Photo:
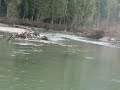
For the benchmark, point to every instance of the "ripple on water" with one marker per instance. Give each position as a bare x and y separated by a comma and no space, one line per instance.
20,52
13,55
26,53
115,80
27,44
89,58
67,45
37,50
4,76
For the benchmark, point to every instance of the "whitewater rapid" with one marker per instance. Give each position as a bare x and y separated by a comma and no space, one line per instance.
60,38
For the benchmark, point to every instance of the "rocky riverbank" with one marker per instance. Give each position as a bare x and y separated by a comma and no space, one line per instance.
22,32
112,37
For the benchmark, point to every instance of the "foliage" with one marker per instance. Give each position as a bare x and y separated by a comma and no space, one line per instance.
77,13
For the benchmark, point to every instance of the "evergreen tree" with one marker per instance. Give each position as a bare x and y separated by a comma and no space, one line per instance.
101,7
23,9
70,12
3,7
31,9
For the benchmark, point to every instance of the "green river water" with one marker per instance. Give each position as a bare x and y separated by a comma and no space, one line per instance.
61,64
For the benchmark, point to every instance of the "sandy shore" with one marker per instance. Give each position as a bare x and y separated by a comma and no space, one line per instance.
4,28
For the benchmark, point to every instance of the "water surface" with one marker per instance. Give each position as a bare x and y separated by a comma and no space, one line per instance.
64,63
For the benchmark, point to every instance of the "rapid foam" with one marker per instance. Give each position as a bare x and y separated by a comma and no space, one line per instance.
59,38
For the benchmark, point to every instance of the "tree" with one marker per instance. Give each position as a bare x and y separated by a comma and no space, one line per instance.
12,10
3,8
31,9
70,11
101,10
84,11
23,9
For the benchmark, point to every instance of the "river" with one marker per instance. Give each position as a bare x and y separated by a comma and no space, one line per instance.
64,63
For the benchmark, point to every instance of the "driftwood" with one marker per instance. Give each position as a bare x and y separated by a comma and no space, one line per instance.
10,37
28,35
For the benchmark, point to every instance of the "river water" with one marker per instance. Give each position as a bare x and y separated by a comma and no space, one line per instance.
63,63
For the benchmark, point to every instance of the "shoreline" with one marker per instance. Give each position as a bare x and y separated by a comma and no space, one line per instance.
5,28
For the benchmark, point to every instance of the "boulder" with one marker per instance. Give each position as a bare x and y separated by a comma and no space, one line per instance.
106,38
44,38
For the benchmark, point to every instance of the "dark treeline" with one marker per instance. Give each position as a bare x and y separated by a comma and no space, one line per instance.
74,13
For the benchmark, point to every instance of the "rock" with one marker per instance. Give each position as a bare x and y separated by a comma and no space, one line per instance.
113,39
106,38
44,38
23,35
99,34
95,34
35,34
29,35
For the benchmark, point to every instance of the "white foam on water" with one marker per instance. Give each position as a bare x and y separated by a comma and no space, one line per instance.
13,55
20,52
58,38
37,50
26,53
26,44
89,58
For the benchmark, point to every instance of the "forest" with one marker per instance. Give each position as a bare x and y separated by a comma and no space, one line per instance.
73,13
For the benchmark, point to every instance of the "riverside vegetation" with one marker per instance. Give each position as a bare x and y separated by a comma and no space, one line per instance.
98,19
